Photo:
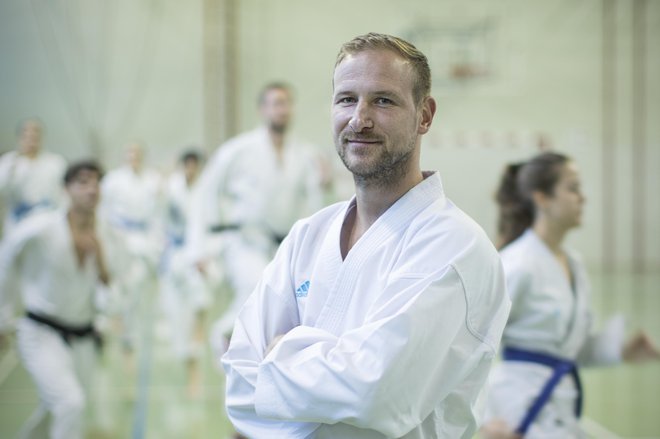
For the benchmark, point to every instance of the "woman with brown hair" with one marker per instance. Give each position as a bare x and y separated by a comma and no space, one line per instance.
535,391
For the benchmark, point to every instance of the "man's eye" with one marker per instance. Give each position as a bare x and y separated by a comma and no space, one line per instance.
346,100
383,101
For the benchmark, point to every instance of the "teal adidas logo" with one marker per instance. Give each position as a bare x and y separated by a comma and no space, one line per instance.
303,289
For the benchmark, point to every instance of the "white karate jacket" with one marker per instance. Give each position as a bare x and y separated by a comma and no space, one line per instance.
40,255
31,182
394,341
133,204
549,315
244,185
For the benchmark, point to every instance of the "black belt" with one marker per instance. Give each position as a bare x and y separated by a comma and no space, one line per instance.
219,228
277,238
68,332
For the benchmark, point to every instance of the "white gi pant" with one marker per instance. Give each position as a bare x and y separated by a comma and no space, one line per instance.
245,258
138,279
61,373
184,294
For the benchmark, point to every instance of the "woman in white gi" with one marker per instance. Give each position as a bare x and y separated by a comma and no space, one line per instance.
131,204
535,391
59,259
29,177
185,294
251,192
378,317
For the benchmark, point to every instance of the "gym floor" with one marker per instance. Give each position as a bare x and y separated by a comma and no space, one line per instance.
147,396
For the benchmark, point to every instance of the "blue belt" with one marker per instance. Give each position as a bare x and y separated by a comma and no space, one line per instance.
175,240
22,209
130,224
560,367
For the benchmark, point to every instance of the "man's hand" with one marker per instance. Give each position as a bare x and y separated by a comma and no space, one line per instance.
6,336
87,243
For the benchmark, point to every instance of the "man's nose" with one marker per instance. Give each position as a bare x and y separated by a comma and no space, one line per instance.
361,118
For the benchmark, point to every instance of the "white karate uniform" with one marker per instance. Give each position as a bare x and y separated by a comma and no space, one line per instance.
394,341
29,186
548,315
184,290
131,203
41,254
246,187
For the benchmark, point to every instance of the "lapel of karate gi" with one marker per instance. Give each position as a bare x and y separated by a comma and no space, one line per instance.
575,329
581,324
343,276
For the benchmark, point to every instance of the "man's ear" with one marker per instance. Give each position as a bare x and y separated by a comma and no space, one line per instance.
428,111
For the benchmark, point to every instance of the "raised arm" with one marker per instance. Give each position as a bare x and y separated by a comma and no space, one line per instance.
11,249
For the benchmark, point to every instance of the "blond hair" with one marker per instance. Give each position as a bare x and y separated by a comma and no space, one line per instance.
376,41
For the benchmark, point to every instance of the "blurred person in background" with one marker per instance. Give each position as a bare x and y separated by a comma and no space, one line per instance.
184,292
29,176
131,203
60,259
253,189
535,392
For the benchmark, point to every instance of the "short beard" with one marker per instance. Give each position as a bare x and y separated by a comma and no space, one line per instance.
387,173
279,128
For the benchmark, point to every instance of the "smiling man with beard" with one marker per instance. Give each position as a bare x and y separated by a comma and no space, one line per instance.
378,317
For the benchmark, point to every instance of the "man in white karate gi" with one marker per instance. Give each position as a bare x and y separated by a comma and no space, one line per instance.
29,177
251,192
132,205
379,317
60,259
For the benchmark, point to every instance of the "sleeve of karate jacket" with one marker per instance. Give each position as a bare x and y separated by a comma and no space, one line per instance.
206,203
7,164
604,348
265,315
117,259
10,252
416,347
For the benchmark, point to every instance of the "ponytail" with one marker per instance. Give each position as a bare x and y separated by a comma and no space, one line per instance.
514,194
516,213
